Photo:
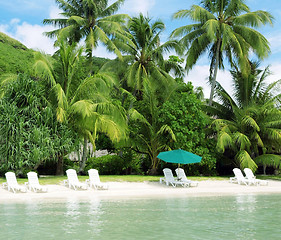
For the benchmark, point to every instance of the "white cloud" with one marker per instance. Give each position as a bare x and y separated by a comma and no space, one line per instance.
32,36
199,78
200,73
275,43
15,21
101,51
55,12
137,6
275,70
4,28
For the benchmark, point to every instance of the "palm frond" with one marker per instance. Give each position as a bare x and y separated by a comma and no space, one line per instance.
270,160
245,160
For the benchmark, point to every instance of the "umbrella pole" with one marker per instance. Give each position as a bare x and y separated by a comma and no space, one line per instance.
178,169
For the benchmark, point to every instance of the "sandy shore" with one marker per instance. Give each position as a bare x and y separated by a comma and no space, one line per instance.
129,190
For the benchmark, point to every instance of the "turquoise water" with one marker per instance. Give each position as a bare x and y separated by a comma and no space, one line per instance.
233,217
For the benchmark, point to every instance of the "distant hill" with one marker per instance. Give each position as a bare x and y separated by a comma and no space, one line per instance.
17,58
14,56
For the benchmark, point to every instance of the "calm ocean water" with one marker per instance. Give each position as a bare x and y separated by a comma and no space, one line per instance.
233,217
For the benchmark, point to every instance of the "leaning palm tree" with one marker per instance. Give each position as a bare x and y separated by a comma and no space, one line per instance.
85,105
248,123
224,29
89,19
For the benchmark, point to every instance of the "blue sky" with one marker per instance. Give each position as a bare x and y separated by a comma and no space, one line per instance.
22,20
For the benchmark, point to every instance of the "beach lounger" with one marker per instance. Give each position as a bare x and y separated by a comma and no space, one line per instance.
33,183
94,180
182,177
169,179
72,180
233,179
12,183
251,177
239,177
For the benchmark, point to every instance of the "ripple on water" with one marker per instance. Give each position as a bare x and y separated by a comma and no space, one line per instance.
232,217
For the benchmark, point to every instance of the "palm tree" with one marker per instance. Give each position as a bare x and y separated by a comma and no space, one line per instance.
249,123
143,53
89,19
150,136
85,105
226,29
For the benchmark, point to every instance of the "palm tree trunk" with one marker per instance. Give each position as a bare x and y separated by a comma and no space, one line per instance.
84,155
214,77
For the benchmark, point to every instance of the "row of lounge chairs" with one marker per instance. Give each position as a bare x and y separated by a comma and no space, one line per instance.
93,181
249,179
180,180
72,182
32,184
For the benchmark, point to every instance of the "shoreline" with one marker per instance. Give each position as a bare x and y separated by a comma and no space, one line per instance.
139,190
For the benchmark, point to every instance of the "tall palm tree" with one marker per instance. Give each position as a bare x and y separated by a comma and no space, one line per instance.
144,54
226,29
249,122
89,19
88,108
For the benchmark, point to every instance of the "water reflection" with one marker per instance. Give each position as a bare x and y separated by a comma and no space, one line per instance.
246,202
233,217
82,214
95,213
71,216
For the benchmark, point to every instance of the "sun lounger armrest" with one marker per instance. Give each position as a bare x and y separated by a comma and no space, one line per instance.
65,182
162,180
4,185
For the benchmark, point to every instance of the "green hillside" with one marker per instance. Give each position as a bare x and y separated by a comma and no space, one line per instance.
14,56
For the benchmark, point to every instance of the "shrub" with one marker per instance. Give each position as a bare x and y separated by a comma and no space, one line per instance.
115,164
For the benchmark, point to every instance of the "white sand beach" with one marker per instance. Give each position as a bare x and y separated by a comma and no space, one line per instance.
133,190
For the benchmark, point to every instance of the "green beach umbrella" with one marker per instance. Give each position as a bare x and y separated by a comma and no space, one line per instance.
179,156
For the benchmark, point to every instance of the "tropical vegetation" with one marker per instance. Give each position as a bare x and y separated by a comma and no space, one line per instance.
248,123
139,104
226,30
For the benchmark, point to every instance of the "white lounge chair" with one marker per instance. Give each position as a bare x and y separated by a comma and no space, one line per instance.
72,180
12,183
233,179
169,179
239,177
182,177
251,177
94,180
33,183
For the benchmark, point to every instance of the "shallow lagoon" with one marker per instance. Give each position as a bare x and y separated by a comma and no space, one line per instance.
231,217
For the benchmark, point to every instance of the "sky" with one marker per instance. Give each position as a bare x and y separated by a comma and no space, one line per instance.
22,20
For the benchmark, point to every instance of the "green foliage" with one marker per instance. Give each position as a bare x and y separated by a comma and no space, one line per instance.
84,104
248,124
94,21
29,133
15,57
147,134
115,164
184,115
143,55
224,29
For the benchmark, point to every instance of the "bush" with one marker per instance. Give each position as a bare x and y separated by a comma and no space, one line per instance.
115,164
